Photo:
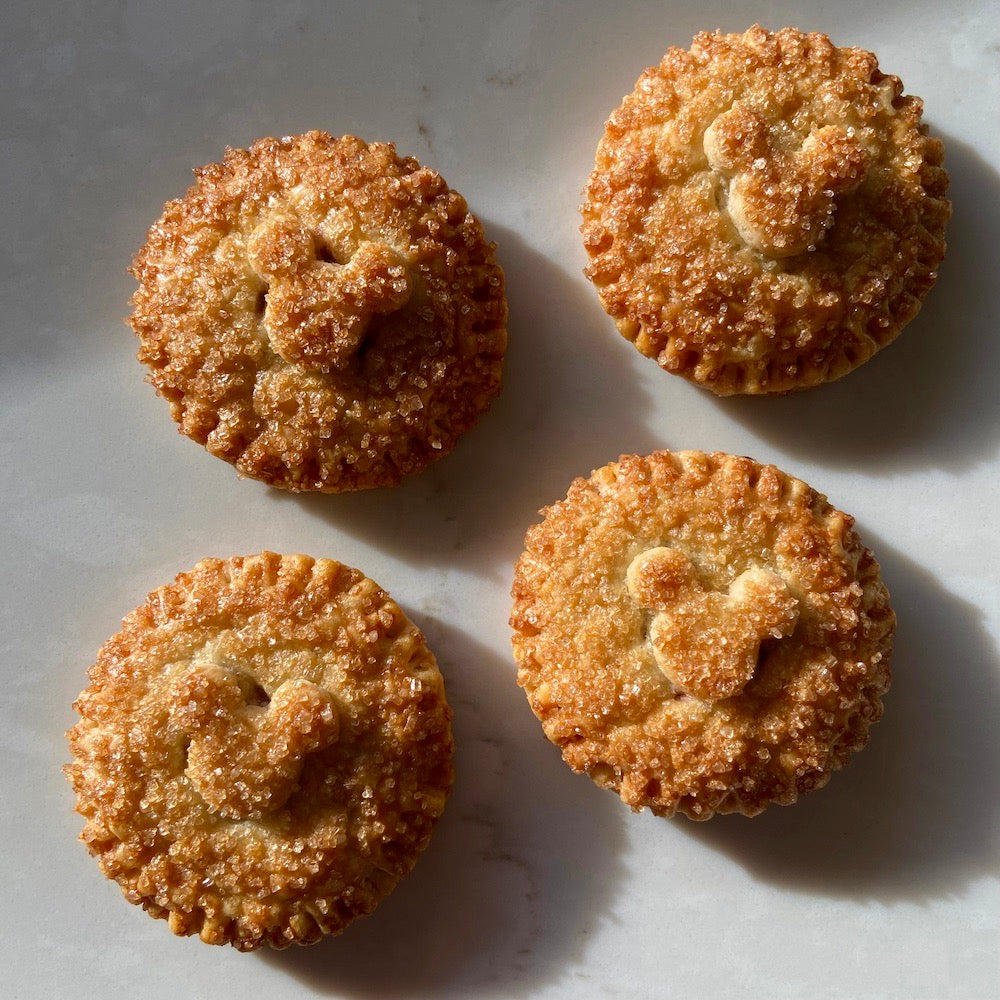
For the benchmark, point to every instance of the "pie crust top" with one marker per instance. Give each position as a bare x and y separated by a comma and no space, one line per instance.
701,633
766,211
321,313
263,751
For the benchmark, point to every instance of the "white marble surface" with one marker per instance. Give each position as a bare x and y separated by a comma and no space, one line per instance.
536,884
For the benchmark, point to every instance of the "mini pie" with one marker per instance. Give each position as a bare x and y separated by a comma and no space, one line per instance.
321,313
263,751
701,633
766,211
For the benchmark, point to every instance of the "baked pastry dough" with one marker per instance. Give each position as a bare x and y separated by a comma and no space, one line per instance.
321,313
263,751
766,211
701,633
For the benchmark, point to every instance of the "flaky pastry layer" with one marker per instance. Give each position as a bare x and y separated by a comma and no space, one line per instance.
263,751
766,211
701,633
321,313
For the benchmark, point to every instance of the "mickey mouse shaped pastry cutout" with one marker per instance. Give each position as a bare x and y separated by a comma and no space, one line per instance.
782,200
317,311
707,642
244,760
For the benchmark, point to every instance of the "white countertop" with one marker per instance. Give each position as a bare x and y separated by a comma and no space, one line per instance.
537,884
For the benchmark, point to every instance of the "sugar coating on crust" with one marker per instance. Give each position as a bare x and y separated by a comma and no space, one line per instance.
701,633
263,751
766,211
321,313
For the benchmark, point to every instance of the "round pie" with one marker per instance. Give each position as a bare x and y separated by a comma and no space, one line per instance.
263,751
321,313
766,211
701,633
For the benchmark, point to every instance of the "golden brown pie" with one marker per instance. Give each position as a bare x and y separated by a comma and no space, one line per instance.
321,313
701,633
263,751
766,211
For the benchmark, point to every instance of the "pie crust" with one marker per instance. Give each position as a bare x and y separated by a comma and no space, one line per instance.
321,313
701,633
766,211
263,751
